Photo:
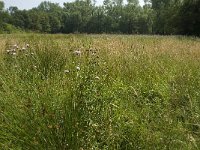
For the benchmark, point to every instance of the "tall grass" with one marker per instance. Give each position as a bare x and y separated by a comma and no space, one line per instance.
85,92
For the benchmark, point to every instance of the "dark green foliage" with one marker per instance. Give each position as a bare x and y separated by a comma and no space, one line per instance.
1,6
155,17
176,17
189,18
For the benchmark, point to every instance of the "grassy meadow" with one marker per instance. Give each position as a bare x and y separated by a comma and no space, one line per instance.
99,92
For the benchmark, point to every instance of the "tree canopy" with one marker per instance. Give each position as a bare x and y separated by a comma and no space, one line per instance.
114,16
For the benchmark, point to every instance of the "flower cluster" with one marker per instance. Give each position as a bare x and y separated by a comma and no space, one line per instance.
14,49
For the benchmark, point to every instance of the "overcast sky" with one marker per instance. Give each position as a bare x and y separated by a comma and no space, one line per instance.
27,4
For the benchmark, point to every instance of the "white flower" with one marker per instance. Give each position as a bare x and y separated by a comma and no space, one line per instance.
93,53
27,45
23,48
97,78
78,68
15,46
77,52
66,71
8,51
14,54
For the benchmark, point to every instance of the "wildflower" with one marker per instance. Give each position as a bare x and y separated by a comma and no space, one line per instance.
23,49
8,51
77,52
15,46
97,78
14,53
66,71
27,45
93,53
78,68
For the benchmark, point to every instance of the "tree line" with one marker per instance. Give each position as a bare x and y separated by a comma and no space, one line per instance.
114,16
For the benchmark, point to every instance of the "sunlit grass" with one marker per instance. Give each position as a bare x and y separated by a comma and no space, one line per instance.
99,92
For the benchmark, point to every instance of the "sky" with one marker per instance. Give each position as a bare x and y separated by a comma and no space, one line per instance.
28,4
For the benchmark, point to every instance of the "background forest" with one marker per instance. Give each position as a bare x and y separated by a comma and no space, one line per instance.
114,16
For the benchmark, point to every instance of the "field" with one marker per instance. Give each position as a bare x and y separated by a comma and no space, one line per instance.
92,92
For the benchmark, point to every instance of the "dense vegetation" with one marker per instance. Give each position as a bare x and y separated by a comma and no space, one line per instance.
114,16
84,92
110,92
